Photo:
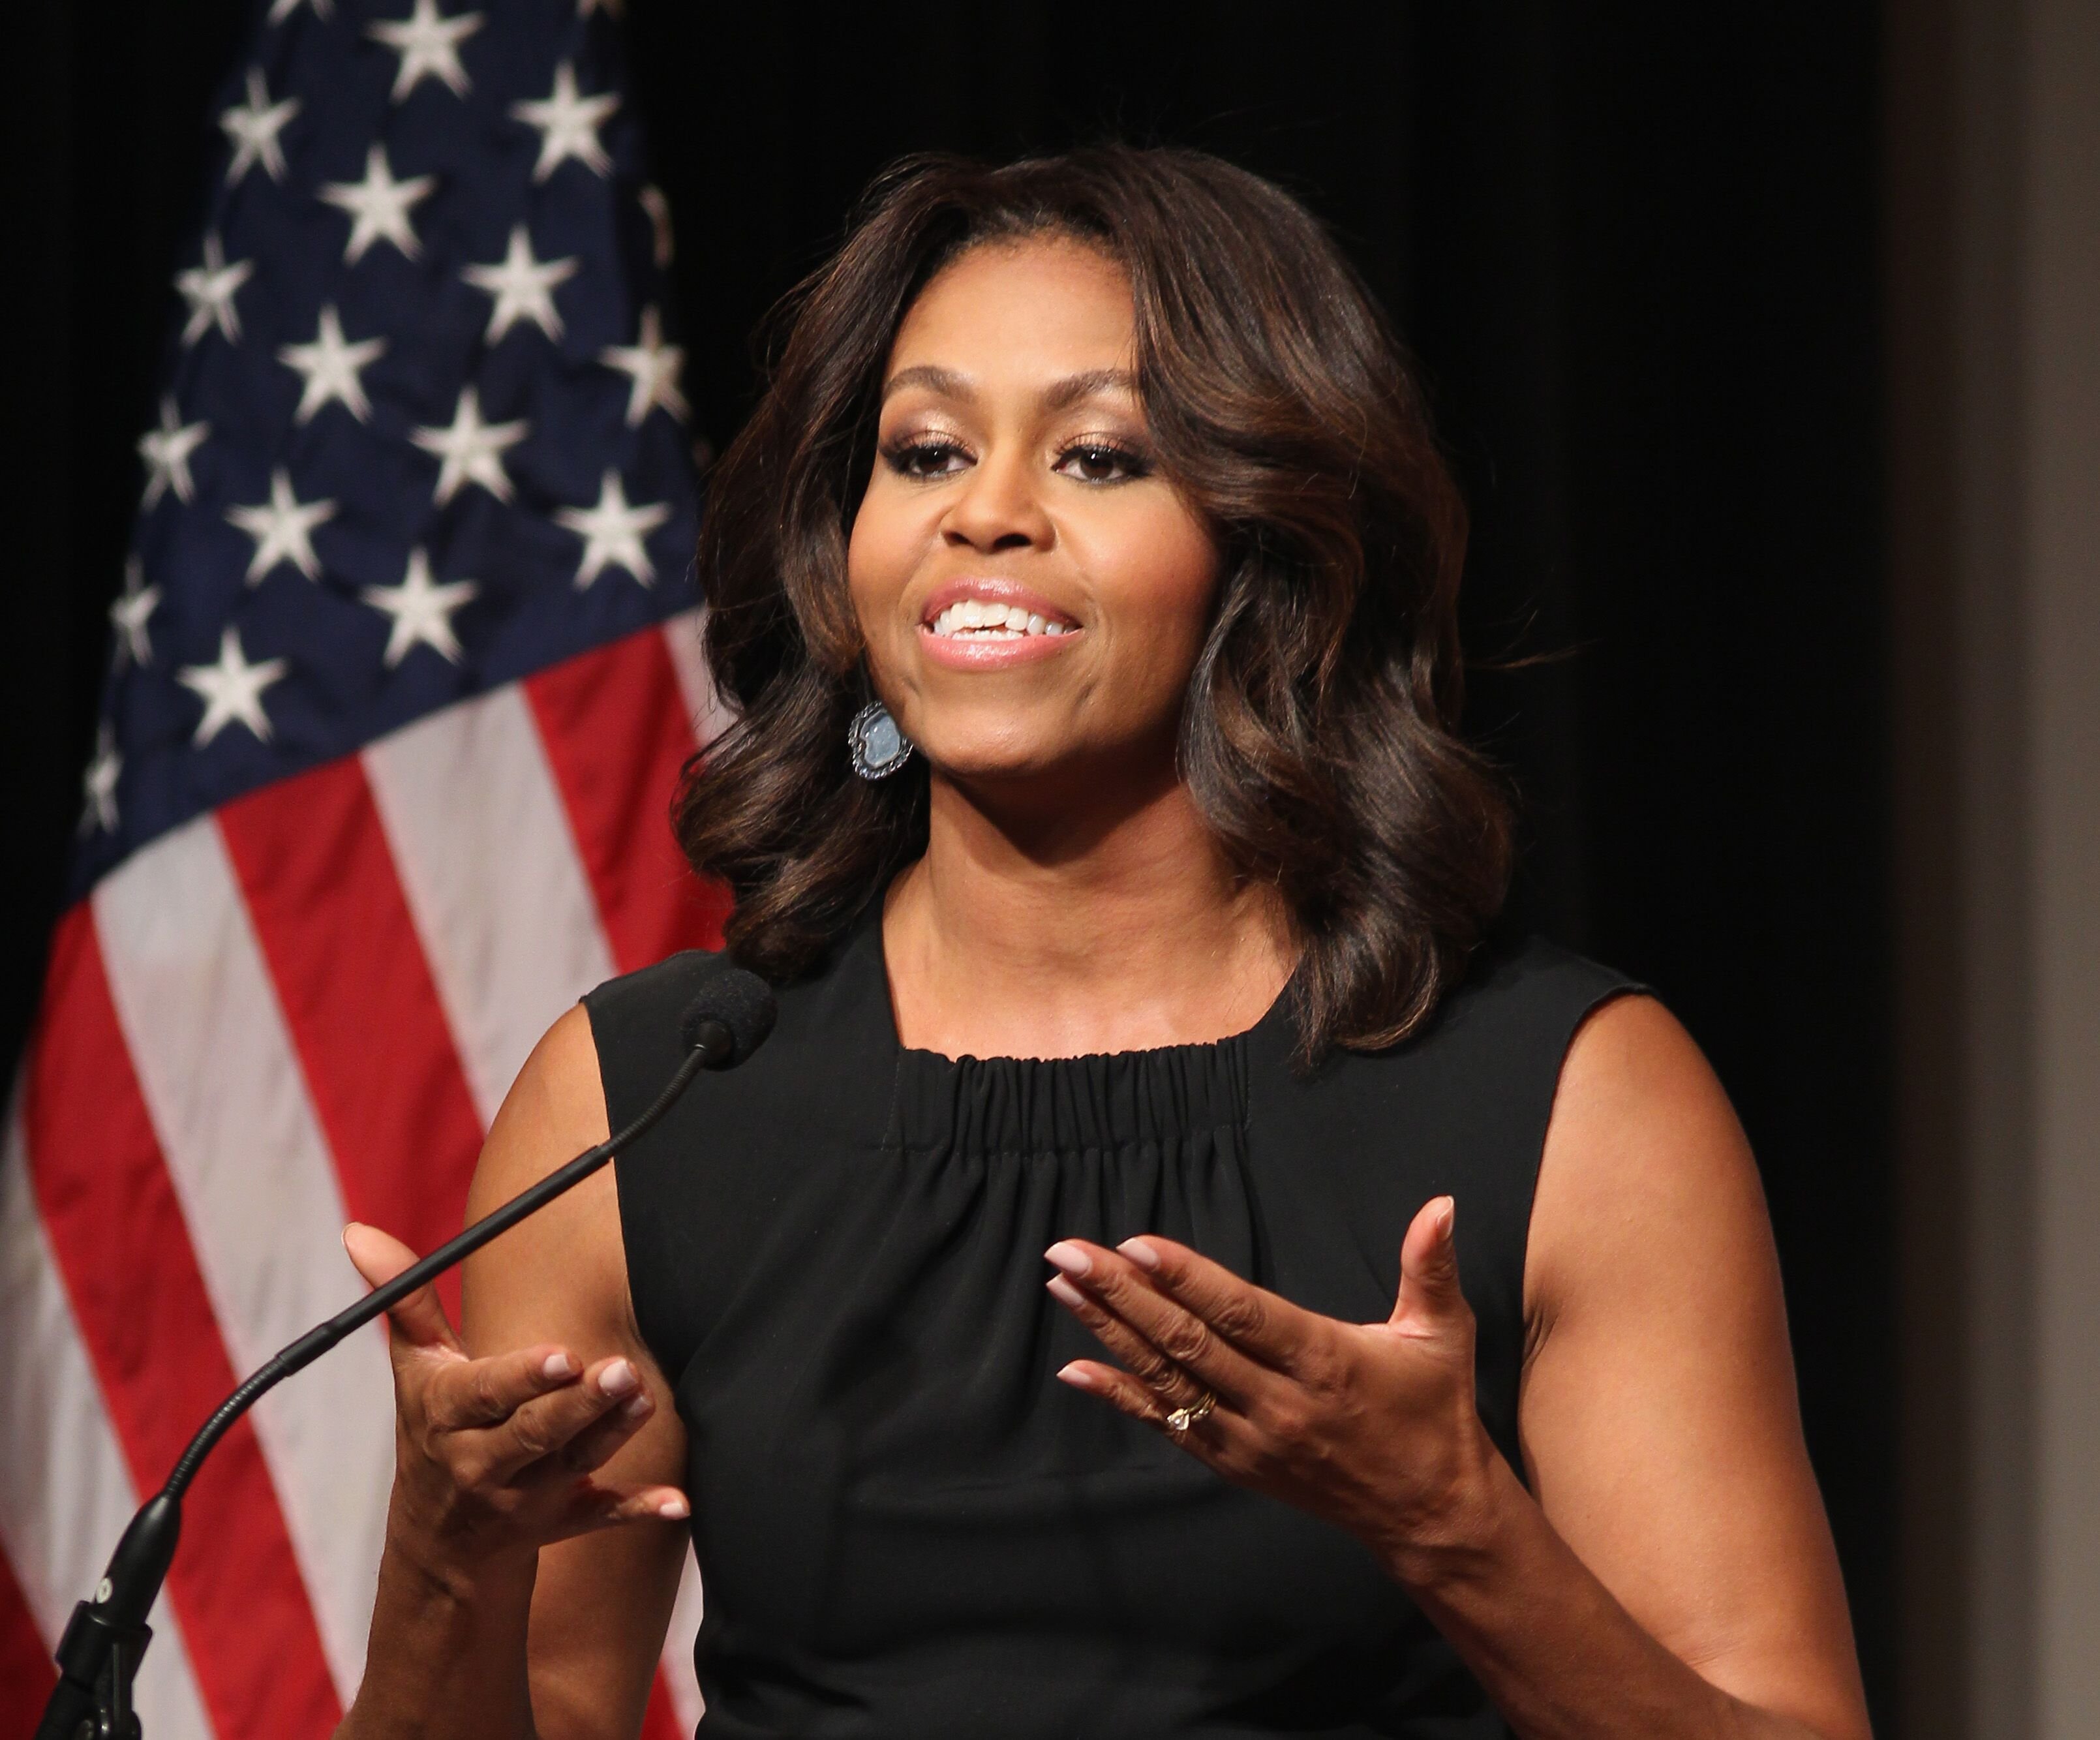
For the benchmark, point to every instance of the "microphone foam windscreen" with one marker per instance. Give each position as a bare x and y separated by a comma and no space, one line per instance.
742,1002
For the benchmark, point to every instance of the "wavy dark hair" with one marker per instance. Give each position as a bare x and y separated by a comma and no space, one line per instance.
1319,737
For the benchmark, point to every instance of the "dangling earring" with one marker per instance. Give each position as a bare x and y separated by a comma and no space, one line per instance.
877,746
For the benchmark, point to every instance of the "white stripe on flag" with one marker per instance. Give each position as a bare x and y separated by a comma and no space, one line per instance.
678,1677
66,1494
258,1190
489,866
705,709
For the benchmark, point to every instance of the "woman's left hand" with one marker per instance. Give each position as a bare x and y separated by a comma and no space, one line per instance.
1372,1426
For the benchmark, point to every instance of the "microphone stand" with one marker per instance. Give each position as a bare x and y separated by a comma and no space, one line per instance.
98,1655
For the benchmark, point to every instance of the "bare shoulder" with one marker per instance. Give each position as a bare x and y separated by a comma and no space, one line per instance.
560,1275
1648,1191
554,1109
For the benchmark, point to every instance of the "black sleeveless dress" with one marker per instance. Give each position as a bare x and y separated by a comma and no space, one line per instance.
906,1526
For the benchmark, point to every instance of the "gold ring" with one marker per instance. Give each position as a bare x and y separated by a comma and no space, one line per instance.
1180,1420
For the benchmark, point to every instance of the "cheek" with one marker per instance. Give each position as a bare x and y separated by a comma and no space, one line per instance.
879,554
1162,569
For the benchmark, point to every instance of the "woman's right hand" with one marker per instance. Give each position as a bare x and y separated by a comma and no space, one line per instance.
494,1458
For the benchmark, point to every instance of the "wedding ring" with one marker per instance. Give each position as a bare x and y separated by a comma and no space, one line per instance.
1180,1419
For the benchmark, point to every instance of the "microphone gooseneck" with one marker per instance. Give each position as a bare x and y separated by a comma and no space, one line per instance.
725,1023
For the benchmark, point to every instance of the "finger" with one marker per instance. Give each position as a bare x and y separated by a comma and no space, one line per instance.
1116,1282
540,1429
1431,1297
592,1507
594,1446
1263,1325
1124,1393
1170,1384
484,1392
418,1321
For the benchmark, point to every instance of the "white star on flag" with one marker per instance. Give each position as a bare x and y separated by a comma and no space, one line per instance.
379,206
283,529
524,288
472,451
428,47
281,9
209,290
329,367
568,125
166,451
98,786
652,368
253,131
232,689
129,612
421,610
613,532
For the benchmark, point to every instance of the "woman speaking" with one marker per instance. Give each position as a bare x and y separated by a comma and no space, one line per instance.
1168,1274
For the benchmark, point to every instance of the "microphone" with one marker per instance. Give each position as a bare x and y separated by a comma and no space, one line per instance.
724,1024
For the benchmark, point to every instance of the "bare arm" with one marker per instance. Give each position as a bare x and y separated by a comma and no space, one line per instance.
530,1498
1673,1576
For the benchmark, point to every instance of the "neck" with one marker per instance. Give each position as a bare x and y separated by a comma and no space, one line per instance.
1108,921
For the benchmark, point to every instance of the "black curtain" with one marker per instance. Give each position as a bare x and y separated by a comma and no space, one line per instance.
1634,249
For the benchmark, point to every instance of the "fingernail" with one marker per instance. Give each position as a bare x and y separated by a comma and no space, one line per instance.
1077,1375
617,1379
673,1509
558,1365
1448,1217
1140,1253
635,1409
1063,1291
1069,1258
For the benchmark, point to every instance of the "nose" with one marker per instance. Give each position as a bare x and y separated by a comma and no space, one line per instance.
998,508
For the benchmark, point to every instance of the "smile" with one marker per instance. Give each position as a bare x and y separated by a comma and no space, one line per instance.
973,619
990,622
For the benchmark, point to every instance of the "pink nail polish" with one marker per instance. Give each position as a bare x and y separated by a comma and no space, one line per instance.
672,1509
1069,1258
1141,1253
617,1379
558,1365
635,1407
1063,1291
1077,1376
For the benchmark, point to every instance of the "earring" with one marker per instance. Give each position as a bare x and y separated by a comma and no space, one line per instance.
877,746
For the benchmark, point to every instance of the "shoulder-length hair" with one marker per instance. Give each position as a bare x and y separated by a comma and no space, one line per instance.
1318,739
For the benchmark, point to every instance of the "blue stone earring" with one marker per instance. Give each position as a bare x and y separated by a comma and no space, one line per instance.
878,747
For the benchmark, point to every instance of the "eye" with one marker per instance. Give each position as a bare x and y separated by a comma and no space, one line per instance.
925,458
1094,461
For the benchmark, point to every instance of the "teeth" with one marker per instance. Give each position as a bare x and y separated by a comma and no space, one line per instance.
985,619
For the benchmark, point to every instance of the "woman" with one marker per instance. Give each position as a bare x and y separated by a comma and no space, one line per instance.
1450,1392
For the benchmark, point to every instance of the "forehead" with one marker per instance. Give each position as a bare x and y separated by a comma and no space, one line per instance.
1021,310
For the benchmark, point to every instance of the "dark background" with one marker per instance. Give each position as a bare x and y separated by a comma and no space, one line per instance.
1634,250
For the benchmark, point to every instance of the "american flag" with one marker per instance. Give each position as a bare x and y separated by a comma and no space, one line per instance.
403,667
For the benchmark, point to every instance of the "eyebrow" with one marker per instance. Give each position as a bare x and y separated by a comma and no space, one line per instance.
1055,397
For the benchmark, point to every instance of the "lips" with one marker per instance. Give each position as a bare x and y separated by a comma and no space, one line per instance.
987,624
988,592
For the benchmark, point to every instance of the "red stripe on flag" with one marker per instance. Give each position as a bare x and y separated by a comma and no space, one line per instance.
117,1232
614,723
359,1001
27,1672
660,1721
